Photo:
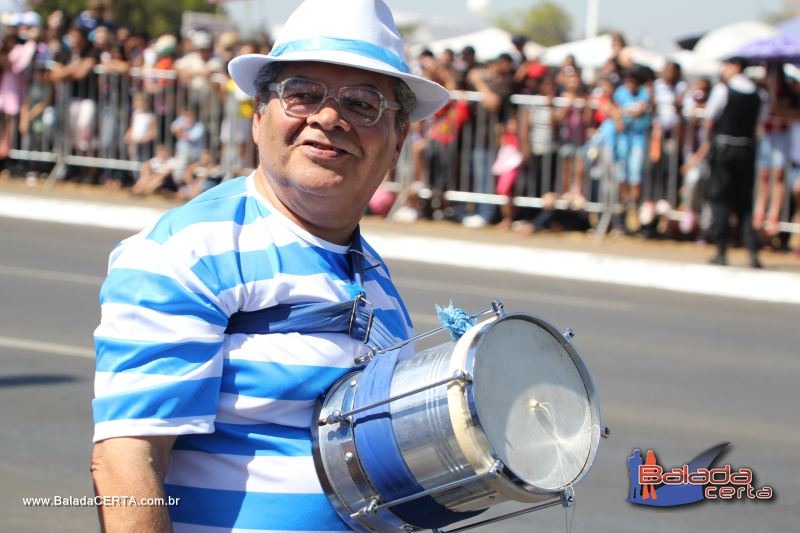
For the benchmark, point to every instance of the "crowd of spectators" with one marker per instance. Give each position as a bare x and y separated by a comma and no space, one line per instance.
639,126
515,127
116,95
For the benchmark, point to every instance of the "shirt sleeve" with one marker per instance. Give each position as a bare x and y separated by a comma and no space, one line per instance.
717,101
159,346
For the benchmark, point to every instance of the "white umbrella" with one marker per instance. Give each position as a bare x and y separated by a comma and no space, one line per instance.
593,53
695,66
727,40
488,44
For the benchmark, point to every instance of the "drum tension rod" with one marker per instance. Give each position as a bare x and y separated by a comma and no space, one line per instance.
343,418
566,498
371,509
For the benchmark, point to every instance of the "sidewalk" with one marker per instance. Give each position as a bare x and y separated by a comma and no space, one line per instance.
664,264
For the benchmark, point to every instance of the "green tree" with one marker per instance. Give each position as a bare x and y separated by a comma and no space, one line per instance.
545,23
156,17
776,17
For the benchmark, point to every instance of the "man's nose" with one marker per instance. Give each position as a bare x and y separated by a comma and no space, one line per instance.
329,115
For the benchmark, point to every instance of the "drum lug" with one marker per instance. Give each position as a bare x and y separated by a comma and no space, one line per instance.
498,308
568,334
366,358
333,418
568,497
462,375
368,509
605,432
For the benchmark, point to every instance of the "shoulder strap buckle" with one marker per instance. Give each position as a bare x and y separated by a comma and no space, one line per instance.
361,319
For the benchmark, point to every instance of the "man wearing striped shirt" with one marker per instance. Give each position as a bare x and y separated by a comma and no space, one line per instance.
218,419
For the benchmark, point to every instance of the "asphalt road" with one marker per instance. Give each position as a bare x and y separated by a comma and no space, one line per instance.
675,373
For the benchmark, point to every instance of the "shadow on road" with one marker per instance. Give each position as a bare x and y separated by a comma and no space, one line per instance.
25,380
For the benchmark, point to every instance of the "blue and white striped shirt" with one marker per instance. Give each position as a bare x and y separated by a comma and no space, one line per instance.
241,404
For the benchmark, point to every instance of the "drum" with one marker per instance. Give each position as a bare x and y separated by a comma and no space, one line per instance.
507,412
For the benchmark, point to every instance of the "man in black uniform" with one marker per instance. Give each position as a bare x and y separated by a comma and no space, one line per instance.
734,109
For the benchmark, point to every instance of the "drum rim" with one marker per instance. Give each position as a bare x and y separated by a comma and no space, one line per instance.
363,479
583,372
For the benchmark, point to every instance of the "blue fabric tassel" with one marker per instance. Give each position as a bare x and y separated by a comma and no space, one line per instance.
455,320
354,290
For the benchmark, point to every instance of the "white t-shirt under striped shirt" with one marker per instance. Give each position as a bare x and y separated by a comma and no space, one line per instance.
241,404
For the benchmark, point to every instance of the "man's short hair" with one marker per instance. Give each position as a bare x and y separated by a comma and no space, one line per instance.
736,60
271,71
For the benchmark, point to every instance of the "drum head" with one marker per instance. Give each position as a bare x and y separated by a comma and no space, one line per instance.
532,402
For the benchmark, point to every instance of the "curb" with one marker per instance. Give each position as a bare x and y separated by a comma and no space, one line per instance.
765,286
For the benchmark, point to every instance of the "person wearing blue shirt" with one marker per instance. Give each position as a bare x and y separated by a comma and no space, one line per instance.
207,418
634,102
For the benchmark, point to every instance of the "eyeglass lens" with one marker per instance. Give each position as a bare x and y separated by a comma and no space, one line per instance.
358,104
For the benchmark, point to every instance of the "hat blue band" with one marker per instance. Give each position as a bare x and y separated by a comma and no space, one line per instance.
363,48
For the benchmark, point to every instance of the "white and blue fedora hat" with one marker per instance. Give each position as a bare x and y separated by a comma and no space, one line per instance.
354,33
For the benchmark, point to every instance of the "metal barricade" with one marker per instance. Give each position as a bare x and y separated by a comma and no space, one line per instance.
448,159
88,119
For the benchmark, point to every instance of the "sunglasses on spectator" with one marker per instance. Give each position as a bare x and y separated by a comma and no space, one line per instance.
360,106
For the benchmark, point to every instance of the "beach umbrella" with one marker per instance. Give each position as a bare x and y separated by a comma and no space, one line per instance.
727,40
771,49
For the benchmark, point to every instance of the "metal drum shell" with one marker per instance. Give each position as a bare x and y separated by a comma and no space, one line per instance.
450,446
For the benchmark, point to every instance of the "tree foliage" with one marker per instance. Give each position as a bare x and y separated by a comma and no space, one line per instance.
545,23
156,17
776,17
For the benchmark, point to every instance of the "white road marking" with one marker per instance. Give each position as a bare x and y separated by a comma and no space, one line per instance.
46,347
514,294
766,286
50,275
127,217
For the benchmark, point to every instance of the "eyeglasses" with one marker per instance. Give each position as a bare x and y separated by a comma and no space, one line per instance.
361,106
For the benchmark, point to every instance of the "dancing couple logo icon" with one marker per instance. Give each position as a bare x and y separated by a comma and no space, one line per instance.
652,485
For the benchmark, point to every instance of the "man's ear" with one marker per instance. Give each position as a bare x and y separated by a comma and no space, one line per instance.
255,126
401,139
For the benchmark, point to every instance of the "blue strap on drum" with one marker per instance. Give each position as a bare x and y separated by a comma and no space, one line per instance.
378,450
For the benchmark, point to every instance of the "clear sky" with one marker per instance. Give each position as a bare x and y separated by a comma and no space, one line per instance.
662,21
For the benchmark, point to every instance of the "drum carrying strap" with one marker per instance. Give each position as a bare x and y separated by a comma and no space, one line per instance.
353,317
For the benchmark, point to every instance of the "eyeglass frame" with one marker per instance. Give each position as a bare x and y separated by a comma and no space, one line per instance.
385,103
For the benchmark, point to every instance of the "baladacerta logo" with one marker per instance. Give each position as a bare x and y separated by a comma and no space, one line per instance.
655,486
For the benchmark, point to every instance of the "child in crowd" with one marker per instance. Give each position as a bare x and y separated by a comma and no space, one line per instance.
200,176
142,130
156,173
572,120
506,167
189,136
635,105
37,115
16,56
695,213
607,125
